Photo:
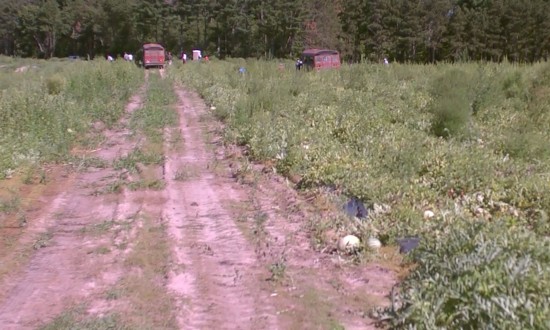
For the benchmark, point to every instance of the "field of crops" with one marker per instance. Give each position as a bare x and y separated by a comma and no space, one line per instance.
469,142
48,107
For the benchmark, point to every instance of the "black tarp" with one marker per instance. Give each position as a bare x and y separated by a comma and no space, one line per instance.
407,244
355,208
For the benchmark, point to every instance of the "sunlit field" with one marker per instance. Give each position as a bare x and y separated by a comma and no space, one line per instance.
46,107
468,142
456,155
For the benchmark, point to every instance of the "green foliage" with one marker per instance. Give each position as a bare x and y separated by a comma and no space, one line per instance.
73,320
451,106
367,131
48,108
43,240
137,156
10,205
402,31
156,112
55,84
480,276
154,184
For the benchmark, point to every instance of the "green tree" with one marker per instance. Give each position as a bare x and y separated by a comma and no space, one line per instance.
9,16
354,28
322,28
455,39
43,24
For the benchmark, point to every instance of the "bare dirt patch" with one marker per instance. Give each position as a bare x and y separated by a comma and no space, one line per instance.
316,289
217,281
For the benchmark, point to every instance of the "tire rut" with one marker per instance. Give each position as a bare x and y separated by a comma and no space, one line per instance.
217,280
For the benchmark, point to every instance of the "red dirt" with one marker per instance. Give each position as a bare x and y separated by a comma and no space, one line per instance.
240,252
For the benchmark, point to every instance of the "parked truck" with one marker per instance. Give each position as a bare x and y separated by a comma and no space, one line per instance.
154,56
320,59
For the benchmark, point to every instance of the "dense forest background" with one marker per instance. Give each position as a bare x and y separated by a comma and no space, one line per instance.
418,31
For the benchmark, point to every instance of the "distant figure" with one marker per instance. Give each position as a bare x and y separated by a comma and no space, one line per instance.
386,61
184,58
206,58
299,64
169,58
110,58
125,56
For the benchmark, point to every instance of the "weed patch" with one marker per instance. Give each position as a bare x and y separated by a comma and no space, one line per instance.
452,104
157,111
144,184
185,173
43,240
137,156
150,305
45,115
98,229
74,319
84,162
10,205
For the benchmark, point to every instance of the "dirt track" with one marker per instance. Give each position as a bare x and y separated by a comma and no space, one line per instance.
237,251
219,274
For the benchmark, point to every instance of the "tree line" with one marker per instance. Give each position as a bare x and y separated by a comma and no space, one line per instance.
417,31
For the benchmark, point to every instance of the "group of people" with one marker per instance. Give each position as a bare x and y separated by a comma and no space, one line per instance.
127,57
183,57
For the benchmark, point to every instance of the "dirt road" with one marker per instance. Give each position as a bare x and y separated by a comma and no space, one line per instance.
196,240
219,278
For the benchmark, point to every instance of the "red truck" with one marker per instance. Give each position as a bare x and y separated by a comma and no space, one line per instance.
320,59
153,56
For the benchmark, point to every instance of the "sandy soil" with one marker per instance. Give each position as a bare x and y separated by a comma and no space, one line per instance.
218,285
240,248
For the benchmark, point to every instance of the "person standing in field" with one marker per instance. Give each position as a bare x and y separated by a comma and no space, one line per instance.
299,64
169,58
184,57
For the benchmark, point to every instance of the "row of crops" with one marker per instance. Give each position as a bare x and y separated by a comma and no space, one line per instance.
469,142
48,106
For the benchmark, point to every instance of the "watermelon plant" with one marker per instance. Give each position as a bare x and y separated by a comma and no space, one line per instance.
468,142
